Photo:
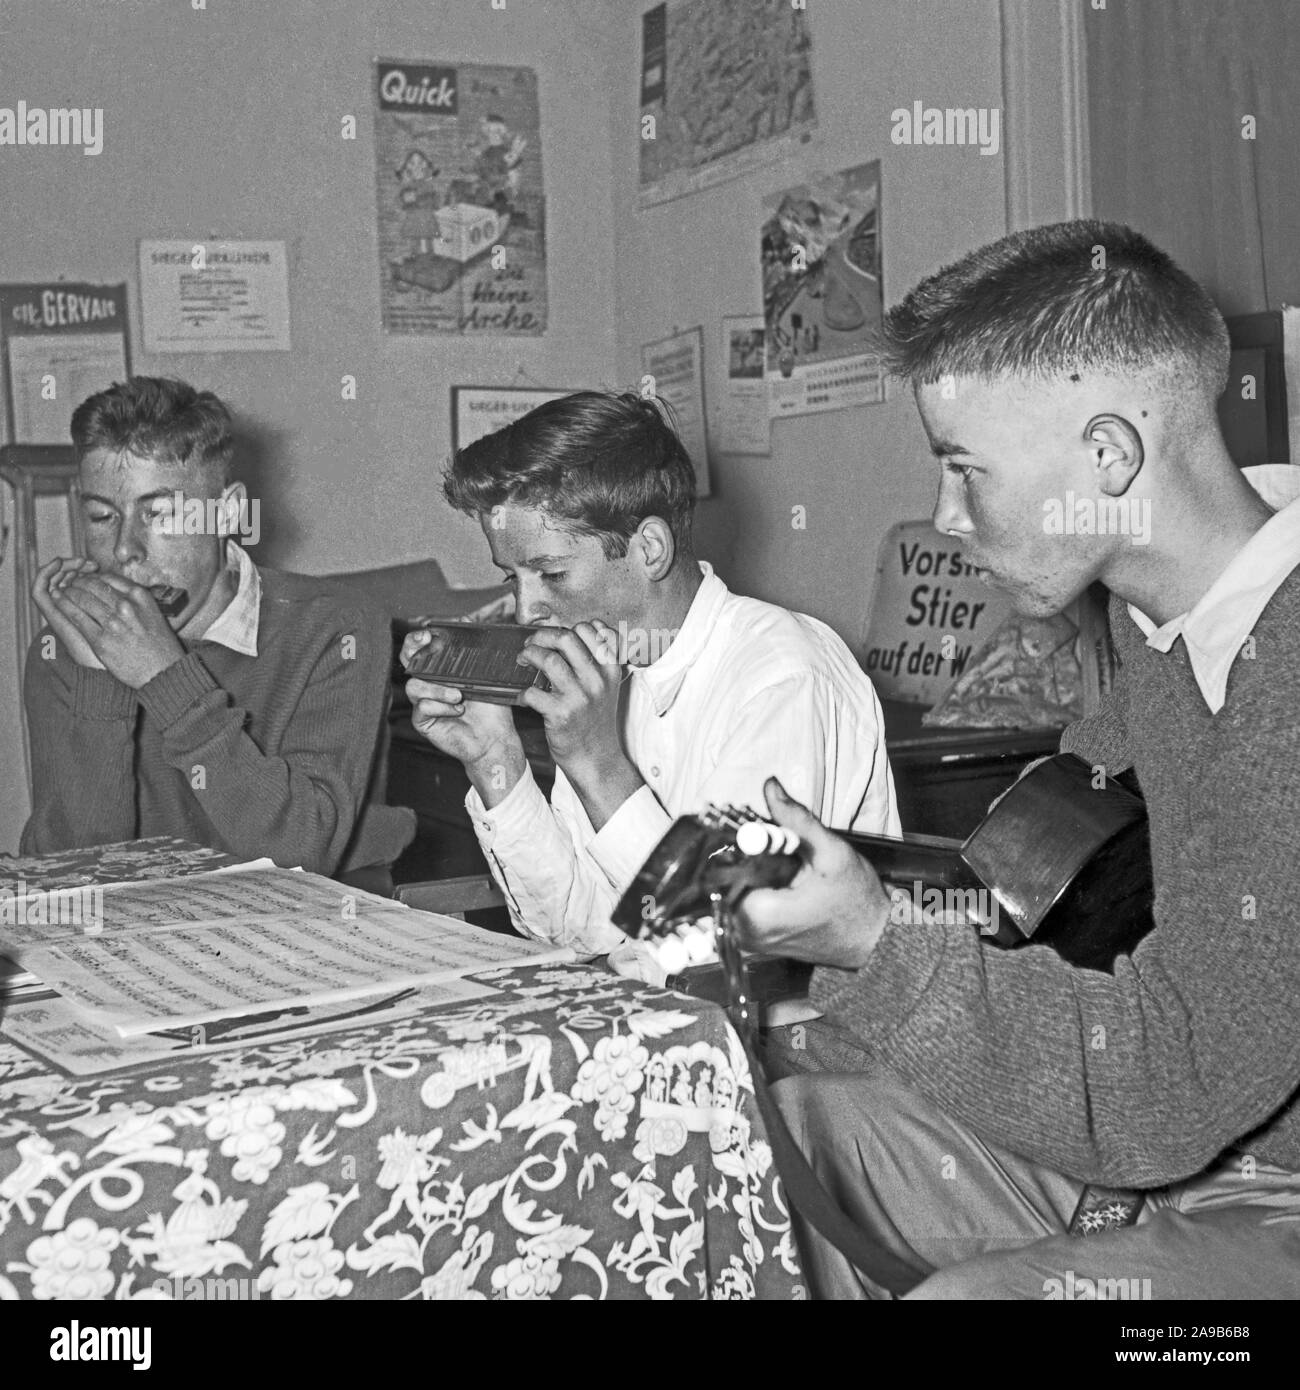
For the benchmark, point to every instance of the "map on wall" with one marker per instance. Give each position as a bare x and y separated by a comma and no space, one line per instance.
726,86
461,210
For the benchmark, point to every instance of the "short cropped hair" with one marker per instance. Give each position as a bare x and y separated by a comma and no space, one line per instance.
600,461
157,418
1071,296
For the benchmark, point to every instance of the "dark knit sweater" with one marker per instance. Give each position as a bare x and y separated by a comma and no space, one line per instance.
271,755
1192,1047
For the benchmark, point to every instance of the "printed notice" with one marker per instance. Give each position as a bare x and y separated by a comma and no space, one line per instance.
214,296
744,424
930,612
676,365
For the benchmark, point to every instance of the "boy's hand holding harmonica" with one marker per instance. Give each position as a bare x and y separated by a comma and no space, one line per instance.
480,735
581,712
106,621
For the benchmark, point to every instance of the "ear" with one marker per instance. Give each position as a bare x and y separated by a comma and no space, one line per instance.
233,499
658,548
1116,451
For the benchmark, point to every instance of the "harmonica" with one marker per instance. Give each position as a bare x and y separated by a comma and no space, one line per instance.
478,659
170,599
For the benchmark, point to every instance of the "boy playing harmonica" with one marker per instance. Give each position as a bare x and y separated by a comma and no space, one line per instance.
180,689
667,690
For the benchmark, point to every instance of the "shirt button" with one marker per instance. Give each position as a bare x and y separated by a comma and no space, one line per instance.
654,772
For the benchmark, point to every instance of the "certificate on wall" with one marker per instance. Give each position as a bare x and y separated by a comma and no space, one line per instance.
214,296
676,365
59,343
477,411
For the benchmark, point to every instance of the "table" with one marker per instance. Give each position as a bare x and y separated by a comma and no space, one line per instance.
575,1135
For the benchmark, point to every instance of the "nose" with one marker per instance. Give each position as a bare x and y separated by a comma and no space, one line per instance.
130,547
950,516
530,607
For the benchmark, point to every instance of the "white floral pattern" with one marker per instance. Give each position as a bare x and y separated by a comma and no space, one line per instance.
573,1135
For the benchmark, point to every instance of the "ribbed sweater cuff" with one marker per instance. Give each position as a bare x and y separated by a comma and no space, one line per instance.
98,694
885,990
174,691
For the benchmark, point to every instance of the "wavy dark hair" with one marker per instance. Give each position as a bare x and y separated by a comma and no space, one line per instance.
601,461
157,418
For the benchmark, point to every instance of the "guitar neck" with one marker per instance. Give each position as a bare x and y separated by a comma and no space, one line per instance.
928,859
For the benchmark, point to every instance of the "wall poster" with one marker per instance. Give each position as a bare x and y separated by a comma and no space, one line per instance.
726,87
822,295
461,211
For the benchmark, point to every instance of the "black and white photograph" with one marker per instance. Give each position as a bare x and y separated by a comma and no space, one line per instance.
648,651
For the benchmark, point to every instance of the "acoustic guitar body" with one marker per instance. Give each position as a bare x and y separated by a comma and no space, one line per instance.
1067,861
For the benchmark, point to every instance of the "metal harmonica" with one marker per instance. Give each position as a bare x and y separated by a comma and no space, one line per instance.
170,599
478,659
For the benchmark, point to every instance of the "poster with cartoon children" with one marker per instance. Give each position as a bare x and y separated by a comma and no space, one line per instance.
461,208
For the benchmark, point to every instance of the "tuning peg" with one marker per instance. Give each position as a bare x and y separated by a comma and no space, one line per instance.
698,940
752,838
673,955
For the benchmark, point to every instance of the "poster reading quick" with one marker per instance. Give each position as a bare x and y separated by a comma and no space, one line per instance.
461,211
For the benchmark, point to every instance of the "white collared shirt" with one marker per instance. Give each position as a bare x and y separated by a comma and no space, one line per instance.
745,691
236,625
1216,628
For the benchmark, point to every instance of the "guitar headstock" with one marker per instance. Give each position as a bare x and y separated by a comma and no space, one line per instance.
714,857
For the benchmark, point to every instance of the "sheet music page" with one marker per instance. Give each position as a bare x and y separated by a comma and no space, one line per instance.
53,1029
177,953
240,892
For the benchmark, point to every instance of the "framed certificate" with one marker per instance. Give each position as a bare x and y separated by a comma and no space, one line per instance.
481,410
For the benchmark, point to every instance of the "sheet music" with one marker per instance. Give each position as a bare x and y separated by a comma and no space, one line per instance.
178,953
53,1029
239,892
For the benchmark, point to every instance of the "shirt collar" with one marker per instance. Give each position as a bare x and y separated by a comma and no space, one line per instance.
236,625
1216,629
663,678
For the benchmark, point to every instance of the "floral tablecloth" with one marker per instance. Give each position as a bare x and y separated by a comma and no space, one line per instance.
574,1135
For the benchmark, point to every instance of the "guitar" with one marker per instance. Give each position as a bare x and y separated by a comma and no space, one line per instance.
1062,860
